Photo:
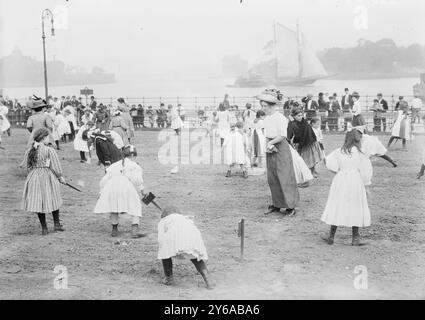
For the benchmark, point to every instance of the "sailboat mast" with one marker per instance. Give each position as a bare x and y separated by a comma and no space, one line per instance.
300,67
275,50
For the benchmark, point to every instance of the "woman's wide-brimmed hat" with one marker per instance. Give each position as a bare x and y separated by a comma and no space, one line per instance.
37,104
356,95
295,111
267,97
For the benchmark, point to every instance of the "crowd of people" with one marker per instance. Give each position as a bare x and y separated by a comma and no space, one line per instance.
287,145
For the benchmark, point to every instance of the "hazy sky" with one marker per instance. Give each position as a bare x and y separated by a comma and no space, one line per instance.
189,37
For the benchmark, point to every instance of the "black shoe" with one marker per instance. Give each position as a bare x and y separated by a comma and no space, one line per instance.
330,239
44,231
58,227
272,209
114,230
356,237
169,281
228,174
290,212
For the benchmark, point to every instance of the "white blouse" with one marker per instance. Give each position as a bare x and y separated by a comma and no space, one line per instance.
357,108
275,125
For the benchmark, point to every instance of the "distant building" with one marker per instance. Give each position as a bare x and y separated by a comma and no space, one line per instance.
17,70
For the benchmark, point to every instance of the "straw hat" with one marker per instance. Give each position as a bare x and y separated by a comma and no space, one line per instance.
37,104
267,97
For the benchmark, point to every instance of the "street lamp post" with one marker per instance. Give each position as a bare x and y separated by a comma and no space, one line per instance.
45,13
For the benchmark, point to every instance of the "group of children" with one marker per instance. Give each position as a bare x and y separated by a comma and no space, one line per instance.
122,186
120,191
244,143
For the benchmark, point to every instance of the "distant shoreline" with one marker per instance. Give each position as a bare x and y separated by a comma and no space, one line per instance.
374,76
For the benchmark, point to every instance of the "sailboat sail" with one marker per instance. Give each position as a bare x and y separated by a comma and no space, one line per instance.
286,52
311,65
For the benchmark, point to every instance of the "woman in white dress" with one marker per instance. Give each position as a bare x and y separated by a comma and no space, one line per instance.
176,121
347,201
119,191
223,122
178,237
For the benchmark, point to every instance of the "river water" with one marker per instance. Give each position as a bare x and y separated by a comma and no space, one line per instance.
197,91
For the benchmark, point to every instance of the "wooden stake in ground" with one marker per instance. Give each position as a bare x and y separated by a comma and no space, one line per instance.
241,234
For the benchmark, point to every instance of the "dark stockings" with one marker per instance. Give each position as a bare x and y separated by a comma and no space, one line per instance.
42,218
385,157
168,267
403,141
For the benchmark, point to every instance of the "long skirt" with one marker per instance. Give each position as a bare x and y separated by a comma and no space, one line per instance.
122,133
358,120
41,191
302,172
258,143
281,177
312,154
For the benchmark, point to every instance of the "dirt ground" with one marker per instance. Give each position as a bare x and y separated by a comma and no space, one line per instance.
284,256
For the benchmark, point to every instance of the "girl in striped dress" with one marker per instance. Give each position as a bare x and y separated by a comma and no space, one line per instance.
42,190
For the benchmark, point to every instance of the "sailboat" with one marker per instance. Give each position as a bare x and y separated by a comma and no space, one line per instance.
295,60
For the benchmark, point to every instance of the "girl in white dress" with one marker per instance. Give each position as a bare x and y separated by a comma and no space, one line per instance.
401,128
347,202
235,150
63,128
4,125
371,146
81,144
55,126
176,121
70,117
258,139
178,237
223,122
119,191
